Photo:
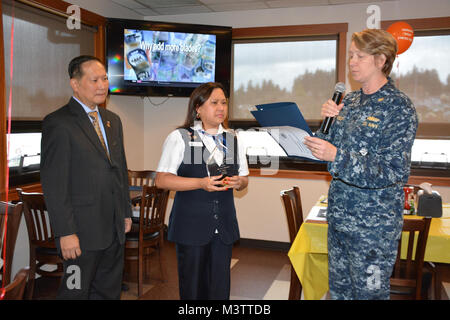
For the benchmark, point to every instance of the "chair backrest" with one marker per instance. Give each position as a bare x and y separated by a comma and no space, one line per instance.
141,178
152,209
40,232
293,209
16,289
8,235
408,272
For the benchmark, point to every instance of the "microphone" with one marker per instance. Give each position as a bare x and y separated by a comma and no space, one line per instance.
337,97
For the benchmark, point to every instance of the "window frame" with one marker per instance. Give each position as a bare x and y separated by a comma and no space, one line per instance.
283,33
313,123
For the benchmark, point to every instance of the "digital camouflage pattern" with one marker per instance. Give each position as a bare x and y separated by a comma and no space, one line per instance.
374,138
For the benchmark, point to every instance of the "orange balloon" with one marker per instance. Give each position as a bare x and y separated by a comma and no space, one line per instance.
403,34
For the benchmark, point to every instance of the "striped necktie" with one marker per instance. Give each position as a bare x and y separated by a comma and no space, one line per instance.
218,140
94,117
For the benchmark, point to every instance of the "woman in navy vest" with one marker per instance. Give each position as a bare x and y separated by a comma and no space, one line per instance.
203,220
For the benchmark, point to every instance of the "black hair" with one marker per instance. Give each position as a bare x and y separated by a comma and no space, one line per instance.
198,98
75,70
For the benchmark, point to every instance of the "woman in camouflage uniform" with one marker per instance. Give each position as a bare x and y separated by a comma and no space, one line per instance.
368,151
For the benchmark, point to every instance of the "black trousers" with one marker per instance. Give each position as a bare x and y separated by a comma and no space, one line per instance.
94,275
204,271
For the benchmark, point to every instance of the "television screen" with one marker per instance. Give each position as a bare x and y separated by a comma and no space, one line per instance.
24,154
165,59
169,57
24,151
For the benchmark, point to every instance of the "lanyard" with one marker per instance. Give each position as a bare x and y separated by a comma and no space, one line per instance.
219,139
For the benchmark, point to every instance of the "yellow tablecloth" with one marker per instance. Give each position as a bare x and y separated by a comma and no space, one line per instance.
308,252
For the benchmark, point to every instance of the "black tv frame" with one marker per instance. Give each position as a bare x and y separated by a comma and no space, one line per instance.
115,45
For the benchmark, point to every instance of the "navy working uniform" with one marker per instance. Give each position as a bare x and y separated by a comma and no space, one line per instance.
373,135
202,224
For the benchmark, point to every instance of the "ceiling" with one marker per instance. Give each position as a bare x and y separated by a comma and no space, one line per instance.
176,7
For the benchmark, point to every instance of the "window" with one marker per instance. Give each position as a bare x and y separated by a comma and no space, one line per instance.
432,153
274,71
424,76
423,73
293,63
43,48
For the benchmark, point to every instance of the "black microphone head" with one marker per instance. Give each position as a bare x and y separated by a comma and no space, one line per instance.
339,90
340,87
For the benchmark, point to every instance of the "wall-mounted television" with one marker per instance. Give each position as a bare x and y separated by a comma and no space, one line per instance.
148,58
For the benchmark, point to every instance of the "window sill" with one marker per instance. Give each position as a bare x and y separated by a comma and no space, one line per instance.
302,169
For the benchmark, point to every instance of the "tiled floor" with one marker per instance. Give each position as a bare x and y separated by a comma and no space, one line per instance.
256,274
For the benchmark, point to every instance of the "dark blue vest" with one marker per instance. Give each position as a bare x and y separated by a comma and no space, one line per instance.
196,214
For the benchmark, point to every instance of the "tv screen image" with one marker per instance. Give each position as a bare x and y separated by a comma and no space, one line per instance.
148,58
168,57
24,151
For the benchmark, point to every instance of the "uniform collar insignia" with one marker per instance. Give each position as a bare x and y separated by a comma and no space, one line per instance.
373,119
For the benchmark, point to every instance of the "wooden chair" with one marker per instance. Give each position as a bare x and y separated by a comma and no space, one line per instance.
12,229
136,180
43,250
149,235
141,178
407,276
16,289
430,267
294,214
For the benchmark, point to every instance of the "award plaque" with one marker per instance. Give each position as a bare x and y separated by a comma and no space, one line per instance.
226,169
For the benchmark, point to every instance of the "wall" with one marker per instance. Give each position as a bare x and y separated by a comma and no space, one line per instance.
130,111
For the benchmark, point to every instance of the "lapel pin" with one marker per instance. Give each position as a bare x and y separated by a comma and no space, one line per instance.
108,124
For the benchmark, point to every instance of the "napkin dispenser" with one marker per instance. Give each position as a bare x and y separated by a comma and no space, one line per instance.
429,202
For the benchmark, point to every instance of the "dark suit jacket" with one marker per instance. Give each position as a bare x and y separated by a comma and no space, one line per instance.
86,193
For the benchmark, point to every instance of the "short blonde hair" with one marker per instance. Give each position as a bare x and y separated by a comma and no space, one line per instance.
377,42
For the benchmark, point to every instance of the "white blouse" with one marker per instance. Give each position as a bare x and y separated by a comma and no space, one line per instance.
173,151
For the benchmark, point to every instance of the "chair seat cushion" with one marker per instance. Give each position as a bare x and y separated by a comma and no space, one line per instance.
135,220
134,236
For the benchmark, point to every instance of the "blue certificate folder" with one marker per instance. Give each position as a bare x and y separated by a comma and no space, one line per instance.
280,114
283,114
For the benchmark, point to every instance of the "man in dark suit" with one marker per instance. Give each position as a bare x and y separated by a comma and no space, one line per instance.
85,182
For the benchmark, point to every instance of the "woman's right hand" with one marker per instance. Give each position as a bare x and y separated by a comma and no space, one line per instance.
211,184
330,109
